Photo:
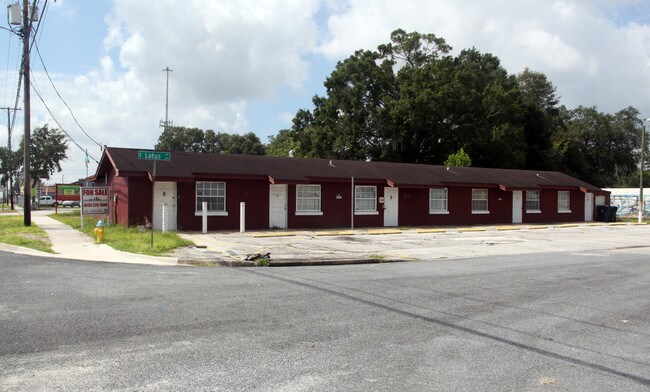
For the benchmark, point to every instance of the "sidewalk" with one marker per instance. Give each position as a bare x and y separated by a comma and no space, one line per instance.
289,248
69,243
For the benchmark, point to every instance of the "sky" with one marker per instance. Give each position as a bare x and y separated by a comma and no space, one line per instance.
249,65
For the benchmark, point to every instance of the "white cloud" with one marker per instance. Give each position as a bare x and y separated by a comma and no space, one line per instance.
584,53
227,54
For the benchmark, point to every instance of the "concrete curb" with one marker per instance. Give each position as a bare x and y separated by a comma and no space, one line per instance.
284,262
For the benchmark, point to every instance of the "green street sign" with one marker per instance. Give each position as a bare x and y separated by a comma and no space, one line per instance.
154,155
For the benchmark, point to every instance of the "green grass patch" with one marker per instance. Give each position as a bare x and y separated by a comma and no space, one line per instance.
127,239
631,219
6,208
13,231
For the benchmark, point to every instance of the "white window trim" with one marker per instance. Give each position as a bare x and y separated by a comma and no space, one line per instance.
310,212
439,212
365,212
567,211
487,203
212,213
539,203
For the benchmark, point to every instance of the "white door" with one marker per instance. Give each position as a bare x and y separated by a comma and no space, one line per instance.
517,200
164,193
589,207
278,206
390,206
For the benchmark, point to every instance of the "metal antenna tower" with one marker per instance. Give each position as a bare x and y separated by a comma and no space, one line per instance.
166,123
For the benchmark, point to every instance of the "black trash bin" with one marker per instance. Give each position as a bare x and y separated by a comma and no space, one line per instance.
612,213
602,213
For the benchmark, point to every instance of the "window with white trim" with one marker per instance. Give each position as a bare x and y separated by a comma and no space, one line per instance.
480,201
532,201
365,198
563,201
308,198
438,200
212,192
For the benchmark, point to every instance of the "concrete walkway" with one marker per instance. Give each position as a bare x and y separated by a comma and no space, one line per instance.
69,243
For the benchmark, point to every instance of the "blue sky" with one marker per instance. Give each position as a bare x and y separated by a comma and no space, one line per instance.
250,65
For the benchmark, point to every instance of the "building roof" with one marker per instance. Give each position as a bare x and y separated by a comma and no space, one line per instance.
189,166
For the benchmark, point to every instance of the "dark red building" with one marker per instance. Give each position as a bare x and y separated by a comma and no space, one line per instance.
320,193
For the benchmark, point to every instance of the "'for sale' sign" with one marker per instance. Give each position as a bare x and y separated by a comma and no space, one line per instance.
94,200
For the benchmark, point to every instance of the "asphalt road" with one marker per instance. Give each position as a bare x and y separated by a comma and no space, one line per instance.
552,322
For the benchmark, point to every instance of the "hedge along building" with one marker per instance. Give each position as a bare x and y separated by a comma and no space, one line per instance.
321,193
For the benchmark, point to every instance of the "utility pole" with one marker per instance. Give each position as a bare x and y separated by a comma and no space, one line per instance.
27,27
166,123
9,174
641,202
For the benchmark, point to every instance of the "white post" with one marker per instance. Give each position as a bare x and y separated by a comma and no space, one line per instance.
242,217
204,214
352,204
165,222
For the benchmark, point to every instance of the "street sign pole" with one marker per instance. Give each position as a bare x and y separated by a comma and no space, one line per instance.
153,156
153,189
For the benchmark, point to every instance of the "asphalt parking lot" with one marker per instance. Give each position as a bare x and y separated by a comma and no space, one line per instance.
350,246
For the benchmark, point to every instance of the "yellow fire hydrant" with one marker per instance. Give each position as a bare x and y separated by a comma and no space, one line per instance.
99,231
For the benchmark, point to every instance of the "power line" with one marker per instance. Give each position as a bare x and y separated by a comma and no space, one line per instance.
38,52
59,124
63,100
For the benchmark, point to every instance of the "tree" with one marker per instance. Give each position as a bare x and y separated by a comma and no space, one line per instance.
599,148
9,163
283,145
351,122
181,139
196,140
247,143
412,101
541,118
48,148
459,158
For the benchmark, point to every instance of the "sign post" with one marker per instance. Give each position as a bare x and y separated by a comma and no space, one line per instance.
153,156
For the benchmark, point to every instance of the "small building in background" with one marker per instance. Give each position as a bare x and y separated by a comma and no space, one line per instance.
626,200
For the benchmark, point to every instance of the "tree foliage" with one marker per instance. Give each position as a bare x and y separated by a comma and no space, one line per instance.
9,162
459,158
412,101
600,148
48,148
197,140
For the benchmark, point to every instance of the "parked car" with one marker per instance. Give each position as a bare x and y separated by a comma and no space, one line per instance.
46,201
70,203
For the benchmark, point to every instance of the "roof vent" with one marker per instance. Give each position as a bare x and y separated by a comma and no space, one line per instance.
331,164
